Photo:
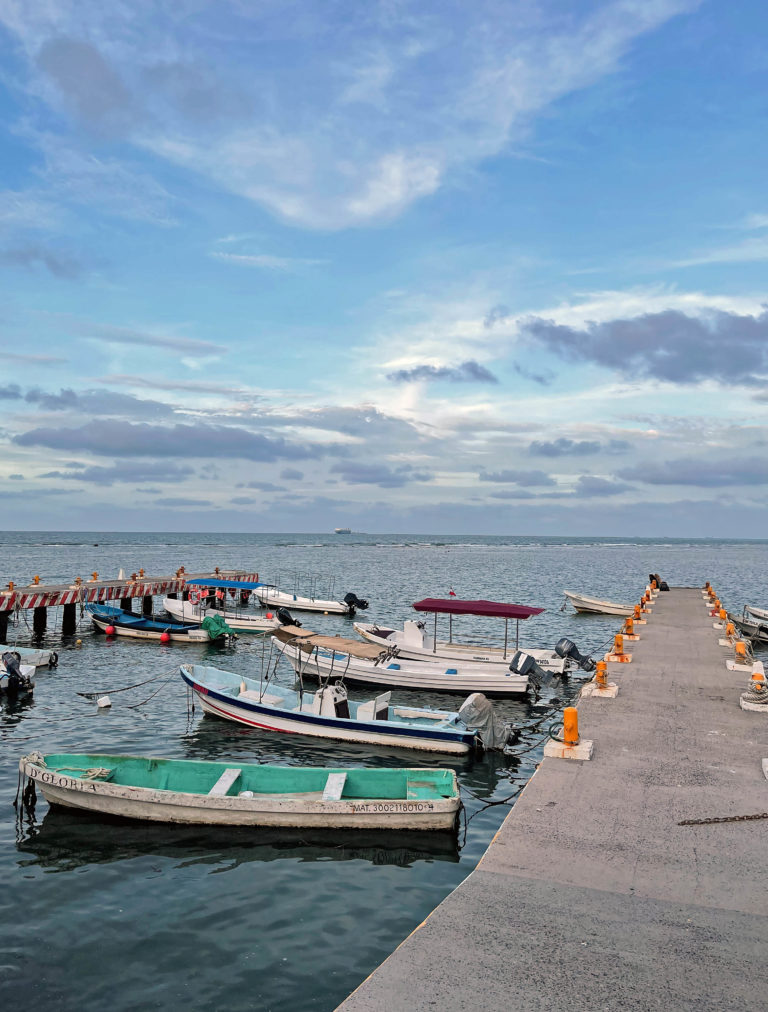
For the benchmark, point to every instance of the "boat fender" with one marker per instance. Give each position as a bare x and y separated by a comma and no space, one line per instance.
53,659
451,671
393,667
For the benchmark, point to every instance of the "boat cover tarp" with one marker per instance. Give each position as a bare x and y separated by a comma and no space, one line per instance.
216,627
491,609
478,714
308,640
224,584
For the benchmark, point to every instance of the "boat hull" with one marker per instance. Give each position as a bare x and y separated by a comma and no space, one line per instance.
595,606
265,810
185,611
416,675
271,597
196,636
469,655
271,718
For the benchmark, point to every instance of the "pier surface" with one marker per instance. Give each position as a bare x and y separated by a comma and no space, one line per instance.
592,896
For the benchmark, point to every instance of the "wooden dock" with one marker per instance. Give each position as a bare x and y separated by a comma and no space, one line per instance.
39,597
631,881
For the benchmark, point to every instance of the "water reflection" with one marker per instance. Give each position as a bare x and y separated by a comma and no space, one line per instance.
66,841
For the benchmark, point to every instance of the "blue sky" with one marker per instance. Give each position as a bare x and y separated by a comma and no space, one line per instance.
398,266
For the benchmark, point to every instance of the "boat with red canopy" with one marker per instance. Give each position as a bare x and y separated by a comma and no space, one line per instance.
414,641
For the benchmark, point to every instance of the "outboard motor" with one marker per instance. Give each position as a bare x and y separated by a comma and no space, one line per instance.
284,617
355,603
567,649
661,584
17,681
523,664
478,715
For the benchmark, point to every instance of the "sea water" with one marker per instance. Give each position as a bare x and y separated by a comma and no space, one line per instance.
129,916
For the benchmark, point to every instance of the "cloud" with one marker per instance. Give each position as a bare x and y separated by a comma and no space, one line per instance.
467,372
125,439
126,471
97,402
244,500
11,392
16,477
192,386
262,486
589,485
60,264
379,474
512,494
704,473
266,261
291,474
386,110
174,502
669,345
32,359
126,335
527,478
564,447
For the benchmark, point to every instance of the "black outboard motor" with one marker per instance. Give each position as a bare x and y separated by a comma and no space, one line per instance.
284,617
566,649
355,603
661,584
17,682
523,664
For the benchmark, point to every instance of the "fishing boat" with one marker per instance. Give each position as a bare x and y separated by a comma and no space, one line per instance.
240,794
198,611
328,713
30,655
754,628
342,530
596,606
414,641
116,622
317,656
271,597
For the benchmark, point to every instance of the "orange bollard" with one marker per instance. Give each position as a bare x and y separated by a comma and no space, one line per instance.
10,585
570,726
637,611
723,614
141,573
36,580
740,649
601,673
618,644
629,627
706,585
730,629
94,576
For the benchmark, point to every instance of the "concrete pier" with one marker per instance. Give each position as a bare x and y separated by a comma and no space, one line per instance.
592,896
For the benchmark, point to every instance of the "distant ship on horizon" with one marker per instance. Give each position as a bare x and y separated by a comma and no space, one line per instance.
342,530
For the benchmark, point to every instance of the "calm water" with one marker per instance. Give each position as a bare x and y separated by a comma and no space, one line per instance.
131,916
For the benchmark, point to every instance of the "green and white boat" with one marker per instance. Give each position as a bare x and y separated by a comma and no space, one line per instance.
238,794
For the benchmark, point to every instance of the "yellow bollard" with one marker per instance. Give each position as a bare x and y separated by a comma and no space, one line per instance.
570,726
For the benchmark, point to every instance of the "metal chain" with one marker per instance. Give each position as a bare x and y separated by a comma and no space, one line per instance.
723,818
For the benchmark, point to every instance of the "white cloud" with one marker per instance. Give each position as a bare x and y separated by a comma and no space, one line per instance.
391,103
267,261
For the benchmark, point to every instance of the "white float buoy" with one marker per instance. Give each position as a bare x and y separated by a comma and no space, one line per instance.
103,701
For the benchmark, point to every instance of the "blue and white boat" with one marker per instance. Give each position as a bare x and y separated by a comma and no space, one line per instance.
327,713
115,621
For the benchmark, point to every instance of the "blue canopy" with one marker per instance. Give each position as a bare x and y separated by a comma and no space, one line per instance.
224,584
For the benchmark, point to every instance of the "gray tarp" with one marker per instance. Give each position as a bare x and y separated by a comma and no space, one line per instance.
478,714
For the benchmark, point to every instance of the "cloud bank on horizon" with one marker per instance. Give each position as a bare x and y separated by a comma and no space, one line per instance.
395,266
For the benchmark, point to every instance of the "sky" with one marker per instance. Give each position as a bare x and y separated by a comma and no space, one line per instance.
399,266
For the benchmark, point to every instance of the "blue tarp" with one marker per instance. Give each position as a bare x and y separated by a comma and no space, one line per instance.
224,584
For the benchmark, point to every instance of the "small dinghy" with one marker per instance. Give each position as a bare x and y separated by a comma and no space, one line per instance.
116,622
329,713
239,794
596,606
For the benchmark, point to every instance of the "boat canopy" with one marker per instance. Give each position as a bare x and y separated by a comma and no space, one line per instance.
224,584
307,640
490,609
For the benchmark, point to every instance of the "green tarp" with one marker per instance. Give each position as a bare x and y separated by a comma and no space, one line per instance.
216,627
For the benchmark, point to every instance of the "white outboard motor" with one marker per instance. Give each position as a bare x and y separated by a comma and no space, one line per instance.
567,649
478,715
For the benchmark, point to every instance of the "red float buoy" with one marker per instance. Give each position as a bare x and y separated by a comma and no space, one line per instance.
110,630
269,614
165,637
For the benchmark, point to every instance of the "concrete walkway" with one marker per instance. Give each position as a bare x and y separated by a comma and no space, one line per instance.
591,896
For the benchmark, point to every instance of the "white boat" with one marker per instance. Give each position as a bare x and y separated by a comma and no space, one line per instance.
413,642
240,794
342,530
271,597
186,611
758,613
324,657
597,606
16,679
29,655
327,713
